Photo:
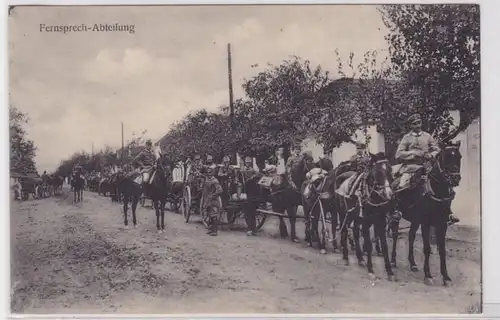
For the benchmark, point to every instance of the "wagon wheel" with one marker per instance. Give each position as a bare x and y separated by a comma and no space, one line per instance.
186,203
260,218
204,215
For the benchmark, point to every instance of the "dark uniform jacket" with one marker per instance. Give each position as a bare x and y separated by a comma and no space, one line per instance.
211,189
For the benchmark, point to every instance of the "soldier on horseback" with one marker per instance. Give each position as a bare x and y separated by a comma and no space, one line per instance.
416,150
145,162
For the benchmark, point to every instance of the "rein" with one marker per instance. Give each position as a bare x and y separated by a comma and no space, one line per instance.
446,177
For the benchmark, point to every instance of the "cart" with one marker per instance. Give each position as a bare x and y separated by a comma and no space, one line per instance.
30,184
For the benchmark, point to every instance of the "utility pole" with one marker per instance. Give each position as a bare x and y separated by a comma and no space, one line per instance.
231,105
123,147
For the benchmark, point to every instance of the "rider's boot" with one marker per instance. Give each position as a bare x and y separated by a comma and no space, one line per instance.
451,218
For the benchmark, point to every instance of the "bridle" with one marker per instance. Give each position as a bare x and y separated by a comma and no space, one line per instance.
378,189
450,178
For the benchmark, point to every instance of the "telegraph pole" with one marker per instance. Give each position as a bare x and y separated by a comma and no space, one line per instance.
121,153
231,104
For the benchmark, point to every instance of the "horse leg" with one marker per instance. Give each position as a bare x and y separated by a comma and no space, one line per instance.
378,244
156,205
334,224
411,241
359,252
426,238
307,223
162,212
135,201
394,226
292,216
283,229
343,241
441,229
125,209
380,227
368,247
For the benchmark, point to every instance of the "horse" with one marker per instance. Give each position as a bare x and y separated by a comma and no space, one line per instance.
157,190
371,207
426,203
315,202
78,184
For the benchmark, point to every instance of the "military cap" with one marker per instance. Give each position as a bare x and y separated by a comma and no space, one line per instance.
209,157
414,117
149,142
248,159
225,159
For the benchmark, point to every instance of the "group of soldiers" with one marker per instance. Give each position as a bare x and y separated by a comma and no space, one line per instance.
415,149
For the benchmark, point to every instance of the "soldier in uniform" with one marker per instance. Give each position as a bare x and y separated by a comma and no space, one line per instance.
250,206
198,163
415,149
145,161
211,190
291,162
210,162
226,176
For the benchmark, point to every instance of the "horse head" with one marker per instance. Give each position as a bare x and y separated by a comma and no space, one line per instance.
380,178
325,164
449,162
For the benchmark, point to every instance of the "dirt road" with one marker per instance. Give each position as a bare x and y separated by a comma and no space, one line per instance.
70,258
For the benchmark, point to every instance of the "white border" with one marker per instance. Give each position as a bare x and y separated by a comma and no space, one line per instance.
490,156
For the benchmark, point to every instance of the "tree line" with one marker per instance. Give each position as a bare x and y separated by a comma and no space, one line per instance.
433,68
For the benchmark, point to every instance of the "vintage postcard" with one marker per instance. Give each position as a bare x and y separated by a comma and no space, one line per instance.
245,159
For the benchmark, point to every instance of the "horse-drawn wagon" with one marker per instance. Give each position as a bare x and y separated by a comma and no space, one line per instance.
27,184
233,206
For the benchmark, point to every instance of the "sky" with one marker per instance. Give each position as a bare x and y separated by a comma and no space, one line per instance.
78,87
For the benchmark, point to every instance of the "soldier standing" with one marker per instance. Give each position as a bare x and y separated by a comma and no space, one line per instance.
250,206
225,175
292,161
211,206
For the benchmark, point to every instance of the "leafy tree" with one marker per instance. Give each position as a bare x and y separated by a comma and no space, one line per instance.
435,48
279,103
22,150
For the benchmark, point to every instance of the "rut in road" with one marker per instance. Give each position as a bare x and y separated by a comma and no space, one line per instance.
77,261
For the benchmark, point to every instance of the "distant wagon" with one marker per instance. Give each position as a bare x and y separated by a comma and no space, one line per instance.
27,184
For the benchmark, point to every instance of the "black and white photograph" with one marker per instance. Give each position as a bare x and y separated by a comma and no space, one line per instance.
245,159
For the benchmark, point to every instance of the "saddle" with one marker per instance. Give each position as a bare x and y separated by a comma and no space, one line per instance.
415,179
348,182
